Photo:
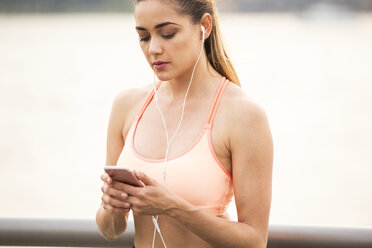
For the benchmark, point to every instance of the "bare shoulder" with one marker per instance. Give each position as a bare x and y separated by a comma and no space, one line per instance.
129,101
241,110
128,98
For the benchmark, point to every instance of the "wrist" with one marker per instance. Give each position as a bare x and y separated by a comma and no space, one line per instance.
181,208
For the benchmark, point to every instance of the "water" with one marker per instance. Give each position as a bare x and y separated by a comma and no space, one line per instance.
59,74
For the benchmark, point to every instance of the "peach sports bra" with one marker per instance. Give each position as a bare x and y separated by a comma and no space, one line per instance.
196,175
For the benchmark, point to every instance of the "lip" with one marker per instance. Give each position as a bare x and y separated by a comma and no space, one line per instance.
160,64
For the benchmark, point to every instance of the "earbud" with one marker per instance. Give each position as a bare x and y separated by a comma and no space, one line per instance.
203,30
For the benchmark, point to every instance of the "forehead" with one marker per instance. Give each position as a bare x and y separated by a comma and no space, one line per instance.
149,13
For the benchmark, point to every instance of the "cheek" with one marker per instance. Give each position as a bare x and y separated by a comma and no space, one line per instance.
183,49
145,50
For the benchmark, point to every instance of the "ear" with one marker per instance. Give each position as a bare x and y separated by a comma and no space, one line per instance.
207,22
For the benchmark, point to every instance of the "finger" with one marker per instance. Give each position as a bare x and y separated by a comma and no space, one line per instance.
144,178
136,204
106,178
106,199
106,189
114,210
127,188
133,201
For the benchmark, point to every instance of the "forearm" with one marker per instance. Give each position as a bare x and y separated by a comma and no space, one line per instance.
217,231
110,225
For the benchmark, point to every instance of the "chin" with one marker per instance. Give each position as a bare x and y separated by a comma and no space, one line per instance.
164,76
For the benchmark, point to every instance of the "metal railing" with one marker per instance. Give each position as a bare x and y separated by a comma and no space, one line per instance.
84,233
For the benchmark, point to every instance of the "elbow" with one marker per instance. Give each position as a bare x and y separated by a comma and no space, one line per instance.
107,227
256,240
108,238
261,242
258,243
107,235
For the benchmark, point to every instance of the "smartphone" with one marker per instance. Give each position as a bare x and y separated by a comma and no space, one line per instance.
122,174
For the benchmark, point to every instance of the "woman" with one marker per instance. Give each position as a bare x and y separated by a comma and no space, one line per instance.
220,146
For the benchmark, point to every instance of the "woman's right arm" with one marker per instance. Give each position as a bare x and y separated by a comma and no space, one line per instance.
112,216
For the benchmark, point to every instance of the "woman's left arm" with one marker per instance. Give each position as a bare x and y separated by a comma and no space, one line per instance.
251,149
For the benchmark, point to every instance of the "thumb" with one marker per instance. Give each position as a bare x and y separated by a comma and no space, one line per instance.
144,178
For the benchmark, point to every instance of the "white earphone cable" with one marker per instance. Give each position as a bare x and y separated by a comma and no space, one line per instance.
155,219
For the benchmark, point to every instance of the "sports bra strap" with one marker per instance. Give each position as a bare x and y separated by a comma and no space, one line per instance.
216,102
214,107
149,99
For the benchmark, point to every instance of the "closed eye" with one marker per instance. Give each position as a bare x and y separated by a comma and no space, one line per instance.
145,38
169,36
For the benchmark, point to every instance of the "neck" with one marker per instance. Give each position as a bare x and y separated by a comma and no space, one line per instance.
204,75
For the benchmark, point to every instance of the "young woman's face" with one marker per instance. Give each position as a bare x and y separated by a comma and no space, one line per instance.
170,41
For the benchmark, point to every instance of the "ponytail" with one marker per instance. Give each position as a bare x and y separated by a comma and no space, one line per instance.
216,53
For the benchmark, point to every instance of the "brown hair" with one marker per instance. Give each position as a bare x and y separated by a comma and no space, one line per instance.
214,46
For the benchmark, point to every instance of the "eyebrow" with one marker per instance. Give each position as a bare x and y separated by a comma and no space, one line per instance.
158,26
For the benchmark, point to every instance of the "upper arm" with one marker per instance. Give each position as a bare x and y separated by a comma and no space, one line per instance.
123,107
252,158
115,140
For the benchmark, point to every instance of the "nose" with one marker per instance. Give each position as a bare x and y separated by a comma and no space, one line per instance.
155,47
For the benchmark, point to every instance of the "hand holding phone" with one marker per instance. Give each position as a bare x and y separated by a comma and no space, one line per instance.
124,175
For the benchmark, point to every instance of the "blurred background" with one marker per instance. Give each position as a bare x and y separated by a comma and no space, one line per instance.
308,63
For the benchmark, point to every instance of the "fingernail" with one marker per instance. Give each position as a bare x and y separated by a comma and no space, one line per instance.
123,195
